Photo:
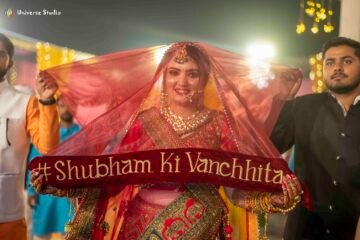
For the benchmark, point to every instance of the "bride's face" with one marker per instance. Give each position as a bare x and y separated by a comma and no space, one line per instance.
183,83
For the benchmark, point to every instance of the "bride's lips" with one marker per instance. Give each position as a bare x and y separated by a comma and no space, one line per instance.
182,91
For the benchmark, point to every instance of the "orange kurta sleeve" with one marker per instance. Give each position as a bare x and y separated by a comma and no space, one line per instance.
42,125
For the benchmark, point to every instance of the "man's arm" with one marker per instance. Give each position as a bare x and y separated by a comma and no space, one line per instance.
283,133
42,122
42,125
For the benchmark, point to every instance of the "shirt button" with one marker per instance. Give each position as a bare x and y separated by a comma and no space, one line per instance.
338,157
331,207
343,134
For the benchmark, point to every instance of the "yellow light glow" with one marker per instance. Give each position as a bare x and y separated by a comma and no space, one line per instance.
310,11
312,60
312,75
300,28
315,29
310,3
328,28
321,15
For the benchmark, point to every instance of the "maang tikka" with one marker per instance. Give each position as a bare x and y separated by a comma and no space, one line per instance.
181,55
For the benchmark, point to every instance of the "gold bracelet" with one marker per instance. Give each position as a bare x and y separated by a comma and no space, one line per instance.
284,210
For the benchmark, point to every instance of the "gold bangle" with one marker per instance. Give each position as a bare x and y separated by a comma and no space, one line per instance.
260,202
251,203
265,203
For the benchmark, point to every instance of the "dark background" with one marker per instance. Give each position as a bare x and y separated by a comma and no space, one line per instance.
100,27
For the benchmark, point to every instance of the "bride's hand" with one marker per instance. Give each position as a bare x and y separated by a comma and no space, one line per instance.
290,83
38,183
291,194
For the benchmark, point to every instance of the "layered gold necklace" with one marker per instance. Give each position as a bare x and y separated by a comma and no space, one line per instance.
184,125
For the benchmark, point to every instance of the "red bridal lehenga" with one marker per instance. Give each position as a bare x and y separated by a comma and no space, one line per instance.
119,99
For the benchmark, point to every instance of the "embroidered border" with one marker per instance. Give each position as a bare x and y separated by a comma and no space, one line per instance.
189,219
83,222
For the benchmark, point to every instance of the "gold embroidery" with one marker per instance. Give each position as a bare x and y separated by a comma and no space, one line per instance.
83,222
105,227
173,222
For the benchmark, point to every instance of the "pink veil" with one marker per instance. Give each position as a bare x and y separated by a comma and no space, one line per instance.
106,92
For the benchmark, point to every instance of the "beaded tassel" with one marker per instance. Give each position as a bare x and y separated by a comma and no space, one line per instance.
265,237
228,228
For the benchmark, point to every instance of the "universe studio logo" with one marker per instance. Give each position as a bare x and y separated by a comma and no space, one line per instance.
9,12
24,12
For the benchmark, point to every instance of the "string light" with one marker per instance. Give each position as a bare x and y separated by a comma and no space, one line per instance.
316,74
318,11
49,55
300,27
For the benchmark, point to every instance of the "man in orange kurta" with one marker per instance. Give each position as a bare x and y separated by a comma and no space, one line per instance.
23,118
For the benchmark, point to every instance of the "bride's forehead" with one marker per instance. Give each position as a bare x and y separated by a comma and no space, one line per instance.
190,64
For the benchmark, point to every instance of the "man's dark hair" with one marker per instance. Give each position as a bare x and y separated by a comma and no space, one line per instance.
342,41
9,46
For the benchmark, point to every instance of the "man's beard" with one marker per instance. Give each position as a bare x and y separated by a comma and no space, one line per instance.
342,89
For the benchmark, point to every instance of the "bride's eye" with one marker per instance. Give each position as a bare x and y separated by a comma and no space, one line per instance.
194,74
173,72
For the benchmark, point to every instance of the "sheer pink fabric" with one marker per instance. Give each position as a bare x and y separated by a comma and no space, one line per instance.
105,94
108,93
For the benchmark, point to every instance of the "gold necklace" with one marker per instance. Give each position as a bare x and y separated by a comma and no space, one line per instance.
184,125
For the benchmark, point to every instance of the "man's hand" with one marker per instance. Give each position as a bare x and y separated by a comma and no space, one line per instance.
46,86
290,82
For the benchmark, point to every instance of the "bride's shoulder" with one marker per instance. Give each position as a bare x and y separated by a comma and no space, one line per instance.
149,113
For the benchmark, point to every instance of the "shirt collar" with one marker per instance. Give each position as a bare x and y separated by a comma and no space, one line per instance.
356,101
